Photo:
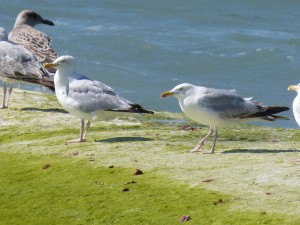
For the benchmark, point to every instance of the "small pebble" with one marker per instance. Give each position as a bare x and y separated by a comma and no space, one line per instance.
185,218
131,182
74,154
138,172
46,166
208,180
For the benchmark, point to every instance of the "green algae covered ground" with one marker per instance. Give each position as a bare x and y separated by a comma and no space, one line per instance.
252,179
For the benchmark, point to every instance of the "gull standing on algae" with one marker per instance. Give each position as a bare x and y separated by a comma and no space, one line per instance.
219,108
88,99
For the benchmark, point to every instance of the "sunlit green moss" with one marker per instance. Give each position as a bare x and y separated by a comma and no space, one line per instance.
70,191
254,171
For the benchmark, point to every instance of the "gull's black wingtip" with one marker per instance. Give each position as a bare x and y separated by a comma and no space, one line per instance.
136,108
267,113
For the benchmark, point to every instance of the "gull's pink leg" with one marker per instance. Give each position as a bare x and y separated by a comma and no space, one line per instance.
4,96
81,139
88,123
9,94
212,150
201,143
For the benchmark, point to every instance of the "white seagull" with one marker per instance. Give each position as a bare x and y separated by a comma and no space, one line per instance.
88,99
296,102
35,41
17,64
219,108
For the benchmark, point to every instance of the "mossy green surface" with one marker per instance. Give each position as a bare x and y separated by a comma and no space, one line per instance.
252,179
71,191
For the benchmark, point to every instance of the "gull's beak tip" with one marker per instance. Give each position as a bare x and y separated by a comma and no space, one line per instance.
48,22
291,88
166,94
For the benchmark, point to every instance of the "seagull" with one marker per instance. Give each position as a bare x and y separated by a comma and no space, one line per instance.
88,99
24,34
219,108
296,102
17,64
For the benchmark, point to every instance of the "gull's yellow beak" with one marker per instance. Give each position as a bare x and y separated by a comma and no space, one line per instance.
49,65
166,94
292,88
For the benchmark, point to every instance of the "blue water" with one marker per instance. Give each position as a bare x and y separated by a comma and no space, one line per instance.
141,48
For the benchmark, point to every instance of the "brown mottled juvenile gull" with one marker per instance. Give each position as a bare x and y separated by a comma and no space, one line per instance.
88,99
35,41
17,64
220,108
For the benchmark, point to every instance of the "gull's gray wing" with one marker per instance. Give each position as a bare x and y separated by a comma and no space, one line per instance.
228,104
18,63
94,95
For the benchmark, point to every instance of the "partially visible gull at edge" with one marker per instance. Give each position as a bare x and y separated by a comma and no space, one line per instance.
296,102
17,64
220,108
35,41
88,99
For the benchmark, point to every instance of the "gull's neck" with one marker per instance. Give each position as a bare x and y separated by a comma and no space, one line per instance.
20,22
61,77
182,99
181,104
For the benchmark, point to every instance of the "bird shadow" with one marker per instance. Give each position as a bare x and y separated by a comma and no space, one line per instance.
259,151
124,139
44,110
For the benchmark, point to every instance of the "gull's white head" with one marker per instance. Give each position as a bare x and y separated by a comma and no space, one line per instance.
294,88
31,18
180,91
62,63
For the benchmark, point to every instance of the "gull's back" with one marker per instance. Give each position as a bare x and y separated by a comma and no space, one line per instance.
217,107
35,41
94,95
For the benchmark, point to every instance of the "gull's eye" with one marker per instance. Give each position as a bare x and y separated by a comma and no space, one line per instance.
181,89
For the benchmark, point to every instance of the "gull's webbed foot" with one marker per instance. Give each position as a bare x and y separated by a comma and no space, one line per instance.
210,152
197,148
76,140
